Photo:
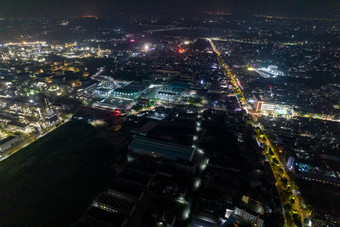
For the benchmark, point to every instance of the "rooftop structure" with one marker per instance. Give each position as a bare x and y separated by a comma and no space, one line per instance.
133,177
145,129
156,148
172,91
98,217
124,190
131,91
262,106
114,204
270,71
8,142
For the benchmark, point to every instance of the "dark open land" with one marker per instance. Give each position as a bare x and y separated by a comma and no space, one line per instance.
54,180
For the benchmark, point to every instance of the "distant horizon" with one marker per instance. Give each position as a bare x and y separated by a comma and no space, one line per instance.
64,8
169,12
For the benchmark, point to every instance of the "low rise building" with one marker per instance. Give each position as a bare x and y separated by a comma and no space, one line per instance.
8,142
156,148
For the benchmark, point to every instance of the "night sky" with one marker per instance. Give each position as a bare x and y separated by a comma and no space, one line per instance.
295,8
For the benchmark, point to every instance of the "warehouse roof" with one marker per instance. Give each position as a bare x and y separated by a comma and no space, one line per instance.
161,148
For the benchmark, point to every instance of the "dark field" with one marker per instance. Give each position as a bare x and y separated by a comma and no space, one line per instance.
52,181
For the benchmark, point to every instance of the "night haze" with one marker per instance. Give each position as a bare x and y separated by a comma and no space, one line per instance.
295,8
144,113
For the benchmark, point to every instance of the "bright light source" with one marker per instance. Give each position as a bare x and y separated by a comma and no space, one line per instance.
228,213
251,69
130,159
181,199
309,223
146,47
186,213
197,184
180,50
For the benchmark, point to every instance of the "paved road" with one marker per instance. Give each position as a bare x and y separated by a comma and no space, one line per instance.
300,205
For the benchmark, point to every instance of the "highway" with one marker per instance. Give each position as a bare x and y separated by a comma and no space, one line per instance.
278,169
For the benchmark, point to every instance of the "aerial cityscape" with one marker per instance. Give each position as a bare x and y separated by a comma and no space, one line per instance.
170,113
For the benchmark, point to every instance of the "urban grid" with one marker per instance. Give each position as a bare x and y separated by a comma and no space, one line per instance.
169,118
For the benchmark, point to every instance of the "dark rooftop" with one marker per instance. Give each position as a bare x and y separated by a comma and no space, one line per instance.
114,203
125,188
115,219
134,177
160,148
6,140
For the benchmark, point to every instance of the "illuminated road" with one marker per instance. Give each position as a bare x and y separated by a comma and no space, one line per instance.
315,116
279,170
238,88
167,29
99,77
100,71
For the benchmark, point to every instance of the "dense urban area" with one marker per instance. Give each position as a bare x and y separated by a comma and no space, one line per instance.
170,120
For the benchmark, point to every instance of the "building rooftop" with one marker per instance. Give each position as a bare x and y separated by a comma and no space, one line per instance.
143,168
133,87
115,204
146,128
6,140
179,85
115,219
124,188
134,177
161,148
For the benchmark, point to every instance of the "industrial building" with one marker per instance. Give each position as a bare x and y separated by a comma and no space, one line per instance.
131,90
114,204
156,148
174,90
126,191
99,217
8,142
